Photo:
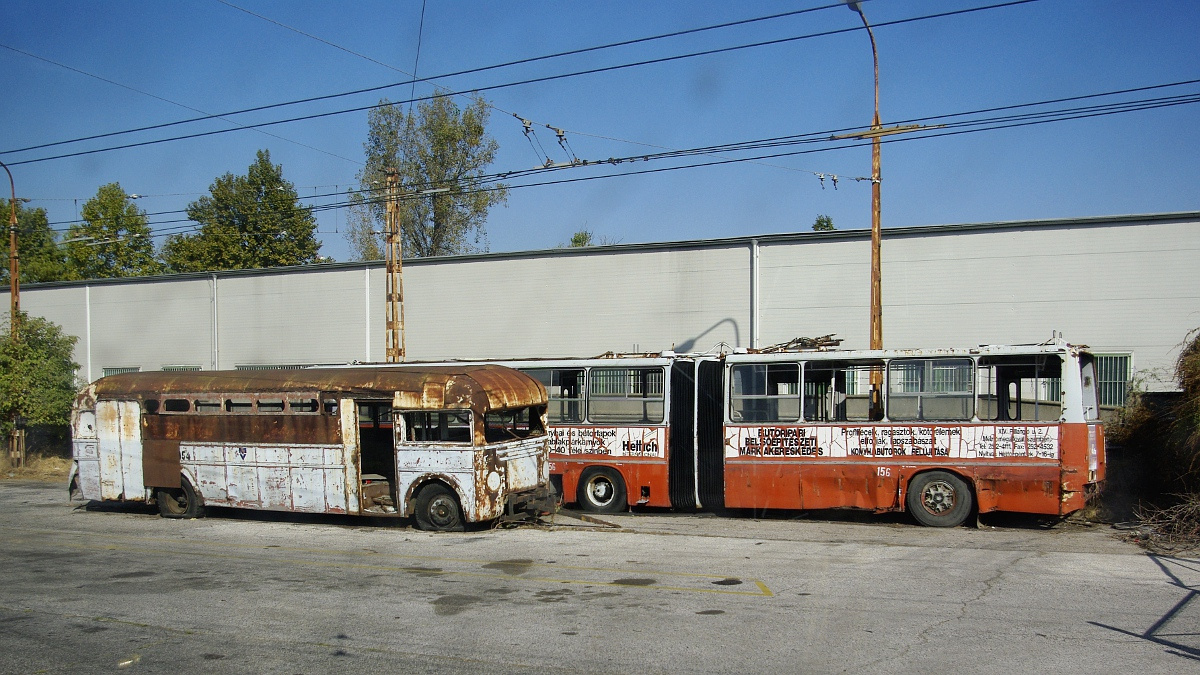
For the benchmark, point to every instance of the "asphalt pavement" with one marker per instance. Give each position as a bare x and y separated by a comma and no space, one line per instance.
106,588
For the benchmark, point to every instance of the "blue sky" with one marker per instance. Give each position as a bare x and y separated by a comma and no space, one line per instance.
209,56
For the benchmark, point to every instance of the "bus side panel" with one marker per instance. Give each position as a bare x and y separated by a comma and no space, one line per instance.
860,485
88,476
119,438
761,485
1082,454
648,479
86,452
637,475
160,463
1022,489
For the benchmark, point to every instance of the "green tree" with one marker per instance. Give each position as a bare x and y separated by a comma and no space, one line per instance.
581,239
112,241
246,222
37,374
584,238
440,151
41,258
823,224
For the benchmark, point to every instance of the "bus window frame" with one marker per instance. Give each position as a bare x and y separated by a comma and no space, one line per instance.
660,399
767,397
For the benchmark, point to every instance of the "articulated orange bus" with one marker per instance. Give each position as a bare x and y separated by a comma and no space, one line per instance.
948,433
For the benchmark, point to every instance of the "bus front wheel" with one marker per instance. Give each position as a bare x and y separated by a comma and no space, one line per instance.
939,499
601,490
180,502
437,509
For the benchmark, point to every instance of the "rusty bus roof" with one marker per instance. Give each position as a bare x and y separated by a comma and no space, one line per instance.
480,387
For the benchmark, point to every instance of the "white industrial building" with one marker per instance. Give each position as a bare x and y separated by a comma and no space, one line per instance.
1128,286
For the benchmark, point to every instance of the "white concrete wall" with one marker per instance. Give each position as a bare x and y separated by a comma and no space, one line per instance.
1128,284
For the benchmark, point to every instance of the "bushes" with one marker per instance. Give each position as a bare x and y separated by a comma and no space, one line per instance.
1161,435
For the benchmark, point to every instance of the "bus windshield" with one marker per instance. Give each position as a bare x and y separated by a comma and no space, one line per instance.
514,424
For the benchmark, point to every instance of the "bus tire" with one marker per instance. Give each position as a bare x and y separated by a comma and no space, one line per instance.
438,510
939,499
180,502
601,490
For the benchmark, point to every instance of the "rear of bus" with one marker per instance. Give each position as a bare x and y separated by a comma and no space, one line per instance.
1083,458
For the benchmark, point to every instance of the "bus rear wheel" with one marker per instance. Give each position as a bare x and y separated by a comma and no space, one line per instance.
601,490
437,509
939,499
180,502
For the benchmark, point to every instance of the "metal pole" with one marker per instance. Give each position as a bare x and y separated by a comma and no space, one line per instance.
876,325
17,439
14,264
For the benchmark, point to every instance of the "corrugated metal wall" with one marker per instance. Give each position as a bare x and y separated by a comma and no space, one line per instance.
1122,285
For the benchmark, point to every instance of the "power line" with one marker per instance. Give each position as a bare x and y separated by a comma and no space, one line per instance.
481,183
535,80
526,121
167,100
413,81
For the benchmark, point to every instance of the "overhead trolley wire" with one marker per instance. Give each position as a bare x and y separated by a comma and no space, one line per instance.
367,90
949,129
534,80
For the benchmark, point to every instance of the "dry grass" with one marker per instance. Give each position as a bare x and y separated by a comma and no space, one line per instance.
39,468
1174,529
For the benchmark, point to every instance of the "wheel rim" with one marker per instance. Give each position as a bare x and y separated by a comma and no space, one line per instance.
176,501
601,491
442,511
938,497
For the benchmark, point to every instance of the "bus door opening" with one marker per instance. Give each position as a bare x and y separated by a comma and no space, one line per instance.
377,456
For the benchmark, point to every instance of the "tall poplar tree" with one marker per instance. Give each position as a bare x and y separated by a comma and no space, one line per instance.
439,151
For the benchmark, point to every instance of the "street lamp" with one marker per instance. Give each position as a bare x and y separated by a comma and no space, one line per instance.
876,228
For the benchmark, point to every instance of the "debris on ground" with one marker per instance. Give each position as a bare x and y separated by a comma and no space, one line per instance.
1171,530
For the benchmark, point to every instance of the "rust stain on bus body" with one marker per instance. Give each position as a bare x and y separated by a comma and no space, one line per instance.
482,387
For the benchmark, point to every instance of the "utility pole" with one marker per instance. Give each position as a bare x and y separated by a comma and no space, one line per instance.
394,286
877,130
16,447
14,264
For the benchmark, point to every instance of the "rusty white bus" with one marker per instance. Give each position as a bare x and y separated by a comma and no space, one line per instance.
953,432
443,445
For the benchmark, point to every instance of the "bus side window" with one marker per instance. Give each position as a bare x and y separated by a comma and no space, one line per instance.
626,395
564,389
838,391
931,389
449,426
1020,388
768,392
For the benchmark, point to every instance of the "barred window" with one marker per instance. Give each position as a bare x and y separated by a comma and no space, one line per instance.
931,389
629,395
1112,378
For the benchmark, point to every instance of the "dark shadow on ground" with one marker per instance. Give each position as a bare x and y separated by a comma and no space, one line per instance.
1186,612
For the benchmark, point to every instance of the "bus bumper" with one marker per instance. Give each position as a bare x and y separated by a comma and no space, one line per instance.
541,500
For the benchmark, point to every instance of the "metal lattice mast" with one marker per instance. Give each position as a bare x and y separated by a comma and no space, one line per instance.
394,286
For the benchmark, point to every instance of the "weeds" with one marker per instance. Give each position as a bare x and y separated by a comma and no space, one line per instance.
1174,529
1165,437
